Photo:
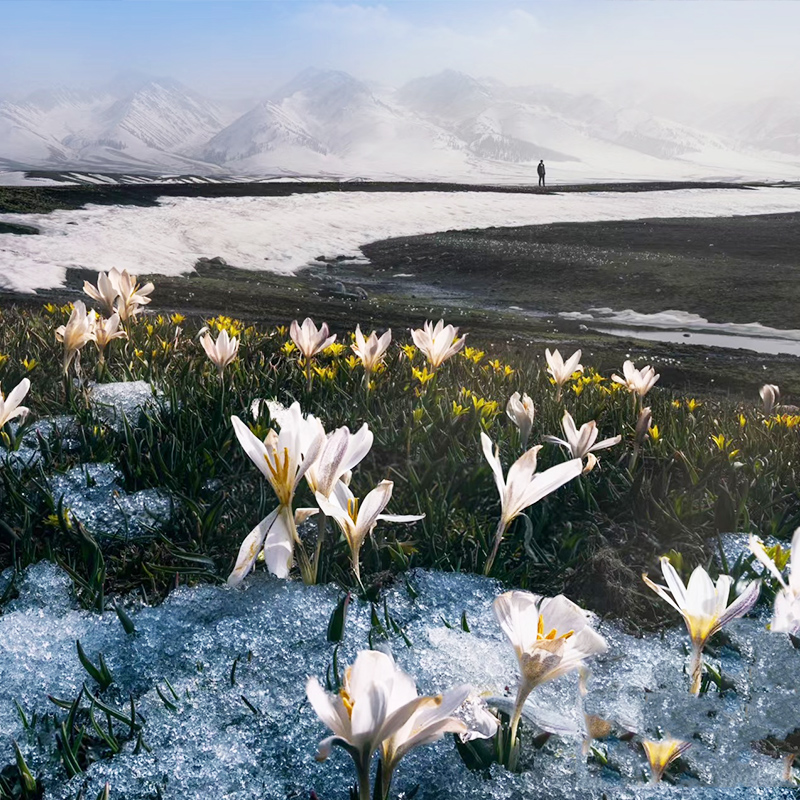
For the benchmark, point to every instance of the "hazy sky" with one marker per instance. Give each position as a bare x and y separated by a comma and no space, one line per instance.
241,48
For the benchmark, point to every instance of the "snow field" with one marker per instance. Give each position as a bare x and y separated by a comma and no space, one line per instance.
284,234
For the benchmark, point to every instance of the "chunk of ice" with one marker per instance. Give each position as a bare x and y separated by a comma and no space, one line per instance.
93,494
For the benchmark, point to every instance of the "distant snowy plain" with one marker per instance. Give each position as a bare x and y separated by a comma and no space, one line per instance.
284,234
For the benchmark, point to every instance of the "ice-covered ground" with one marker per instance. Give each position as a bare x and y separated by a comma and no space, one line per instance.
212,744
283,234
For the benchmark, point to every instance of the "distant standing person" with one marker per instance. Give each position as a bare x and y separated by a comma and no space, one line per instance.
540,169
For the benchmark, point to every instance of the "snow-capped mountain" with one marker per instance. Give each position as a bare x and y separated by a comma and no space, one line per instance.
446,126
327,121
160,117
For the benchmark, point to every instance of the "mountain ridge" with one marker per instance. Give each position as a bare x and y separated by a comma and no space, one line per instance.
443,126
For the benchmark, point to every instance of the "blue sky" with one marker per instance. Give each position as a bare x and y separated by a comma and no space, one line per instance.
242,48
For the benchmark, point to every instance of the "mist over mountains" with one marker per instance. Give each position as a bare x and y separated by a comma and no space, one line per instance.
441,127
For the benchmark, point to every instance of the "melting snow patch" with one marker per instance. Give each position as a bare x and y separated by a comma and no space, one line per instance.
93,494
290,231
679,320
211,743
124,400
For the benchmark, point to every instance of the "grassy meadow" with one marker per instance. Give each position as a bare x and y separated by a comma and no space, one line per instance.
709,464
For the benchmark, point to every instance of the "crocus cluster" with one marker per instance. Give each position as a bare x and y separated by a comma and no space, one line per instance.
377,710
303,449
637,381
118,292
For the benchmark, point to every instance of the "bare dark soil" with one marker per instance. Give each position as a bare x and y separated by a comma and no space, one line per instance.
740,269
41,199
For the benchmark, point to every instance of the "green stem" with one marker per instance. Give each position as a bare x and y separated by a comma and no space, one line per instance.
322,528
498,537
696,668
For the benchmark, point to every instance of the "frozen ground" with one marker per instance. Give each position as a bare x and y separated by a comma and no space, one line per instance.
212,744
283,234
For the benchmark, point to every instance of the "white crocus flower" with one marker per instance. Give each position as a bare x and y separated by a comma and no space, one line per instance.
561,371
10,407
551,637
105,293
341,452
309,339
105,331
432,719
661,754
786,614
524,485
357,520
283,460
637,381
770,396
78,331
703,606
520,411
438,342
221,352
582,443
362,714
132,296
372,349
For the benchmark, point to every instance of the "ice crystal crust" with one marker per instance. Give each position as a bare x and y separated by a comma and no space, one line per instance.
215,745
93,494
124,400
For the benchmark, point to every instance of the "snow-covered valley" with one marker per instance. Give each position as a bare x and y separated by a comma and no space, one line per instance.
284,234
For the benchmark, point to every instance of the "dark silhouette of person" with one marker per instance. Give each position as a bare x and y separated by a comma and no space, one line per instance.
540,169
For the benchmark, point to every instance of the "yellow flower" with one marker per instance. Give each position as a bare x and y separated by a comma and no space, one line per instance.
742,420
473,354
28,364
422,375
288,348
676,403
720,441
177,319
654,433
692,404
490,409
335,349
416,414
325,373
3,359
281,330
496,365
160,319
150,329
409,351
458,409
50,308
352,361
577,388
223,323
661,754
